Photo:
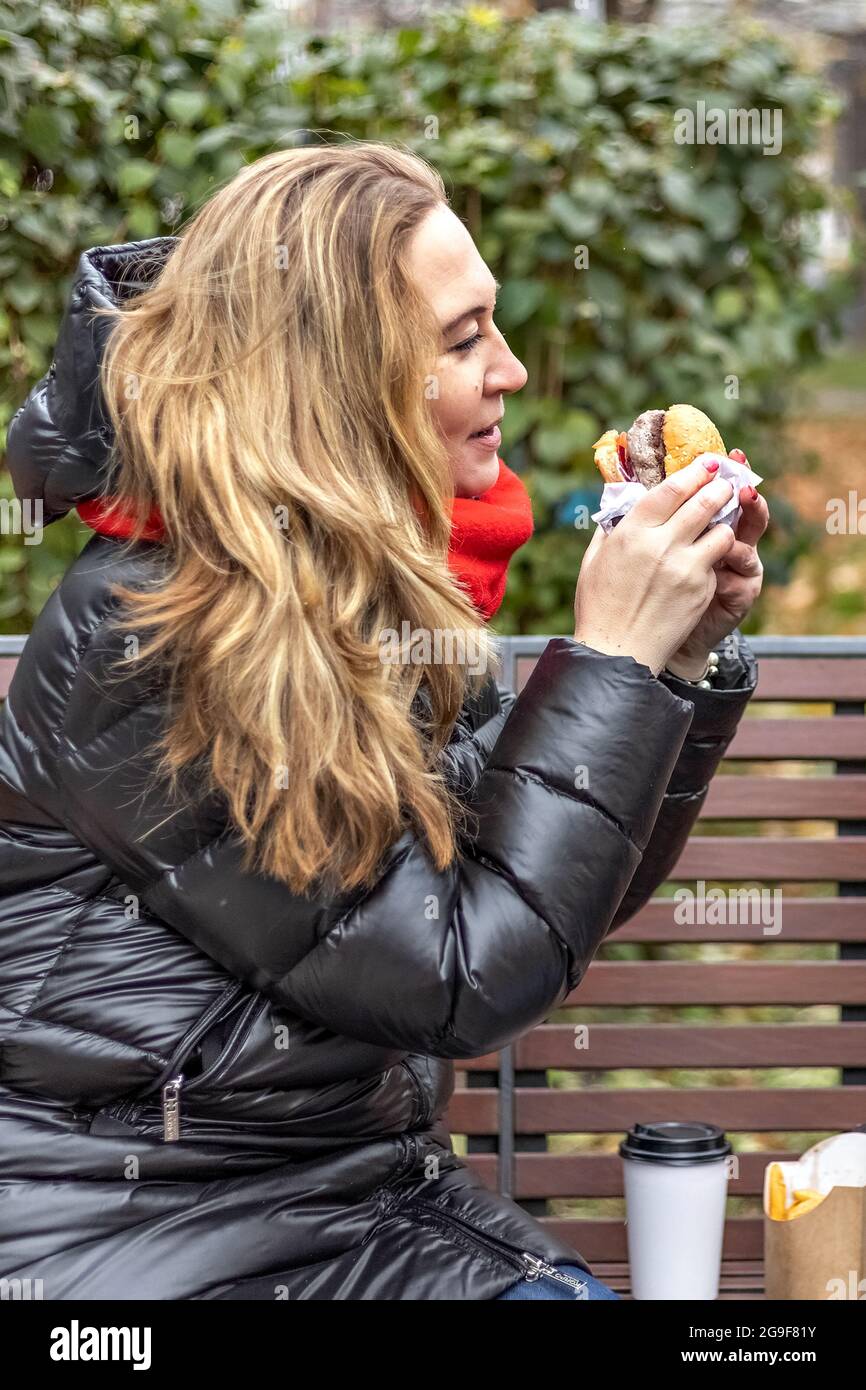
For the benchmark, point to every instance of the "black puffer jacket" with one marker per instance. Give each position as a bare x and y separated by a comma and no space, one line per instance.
315,1036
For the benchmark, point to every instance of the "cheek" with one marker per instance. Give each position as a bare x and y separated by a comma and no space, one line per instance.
460,386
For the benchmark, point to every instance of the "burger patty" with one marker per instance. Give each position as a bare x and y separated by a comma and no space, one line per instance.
646,447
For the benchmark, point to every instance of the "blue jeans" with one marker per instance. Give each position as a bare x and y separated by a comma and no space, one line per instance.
546,1287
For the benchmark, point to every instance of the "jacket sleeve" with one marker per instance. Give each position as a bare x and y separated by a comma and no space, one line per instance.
450,963
717,713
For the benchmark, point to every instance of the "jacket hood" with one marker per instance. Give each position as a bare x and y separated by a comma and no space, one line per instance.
58,442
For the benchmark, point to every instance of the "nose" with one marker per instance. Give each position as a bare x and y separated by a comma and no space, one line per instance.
506,372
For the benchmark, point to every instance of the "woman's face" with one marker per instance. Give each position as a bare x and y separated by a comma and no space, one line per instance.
475,368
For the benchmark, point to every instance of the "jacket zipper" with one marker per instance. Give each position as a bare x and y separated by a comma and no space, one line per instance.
532,1266
171,1108
540,1267
245,1019
170,1077
171,1089
187,1043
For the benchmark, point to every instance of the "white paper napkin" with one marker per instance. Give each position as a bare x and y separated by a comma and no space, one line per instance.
617,499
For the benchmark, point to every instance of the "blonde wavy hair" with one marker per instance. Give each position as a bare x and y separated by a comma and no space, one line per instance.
269,394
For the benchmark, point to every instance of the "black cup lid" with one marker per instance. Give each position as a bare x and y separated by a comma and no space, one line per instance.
670,1141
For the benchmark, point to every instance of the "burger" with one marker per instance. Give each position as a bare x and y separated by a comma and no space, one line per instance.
659,443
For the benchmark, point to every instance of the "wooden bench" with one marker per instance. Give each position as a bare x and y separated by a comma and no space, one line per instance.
799,755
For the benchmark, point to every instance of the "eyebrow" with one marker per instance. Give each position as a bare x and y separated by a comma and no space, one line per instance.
468,314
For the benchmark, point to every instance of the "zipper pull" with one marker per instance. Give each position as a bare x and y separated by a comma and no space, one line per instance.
538,1267
171,1108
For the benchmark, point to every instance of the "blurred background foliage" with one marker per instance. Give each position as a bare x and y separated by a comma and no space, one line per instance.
635,271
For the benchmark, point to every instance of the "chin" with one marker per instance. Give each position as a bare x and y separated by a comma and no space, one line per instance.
473,477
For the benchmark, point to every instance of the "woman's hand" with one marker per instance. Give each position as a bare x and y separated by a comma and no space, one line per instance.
644,587
739,577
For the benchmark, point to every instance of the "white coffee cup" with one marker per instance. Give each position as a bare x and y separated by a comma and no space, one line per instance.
676,1182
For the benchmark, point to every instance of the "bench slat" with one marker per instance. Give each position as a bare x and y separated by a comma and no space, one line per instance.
564,1176
793,860
755,1109
838,737
616,1045
812,678
786,798
805,919
621,983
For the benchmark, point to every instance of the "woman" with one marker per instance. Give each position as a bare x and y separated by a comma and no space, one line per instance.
262,879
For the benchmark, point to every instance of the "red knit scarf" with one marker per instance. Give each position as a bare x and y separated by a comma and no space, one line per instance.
485,532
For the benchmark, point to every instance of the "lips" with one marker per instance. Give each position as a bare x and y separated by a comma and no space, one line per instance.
489,432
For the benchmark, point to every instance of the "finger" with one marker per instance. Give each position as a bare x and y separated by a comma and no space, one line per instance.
734,594
716,544
663,500
744,559
755,519
694,516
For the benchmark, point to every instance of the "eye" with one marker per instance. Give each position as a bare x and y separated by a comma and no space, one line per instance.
469,343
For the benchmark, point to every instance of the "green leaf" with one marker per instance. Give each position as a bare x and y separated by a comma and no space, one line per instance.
729,304
134,176
178,149
576,222
186,105
559,443
615,78
518,301
721,211
46,130
680,191
520,221
24,295
648,336
576,88
144,221
218,136
12,561
654,244
409,41
606,289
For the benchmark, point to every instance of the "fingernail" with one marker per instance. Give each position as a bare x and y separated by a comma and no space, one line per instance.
711,467
737,455
749,493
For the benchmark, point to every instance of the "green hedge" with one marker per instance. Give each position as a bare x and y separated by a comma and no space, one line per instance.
552,134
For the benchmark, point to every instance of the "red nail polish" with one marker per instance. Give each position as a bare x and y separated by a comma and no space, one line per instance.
749,493
711,467
737,455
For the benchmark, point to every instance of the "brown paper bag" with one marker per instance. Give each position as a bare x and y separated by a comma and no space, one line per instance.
820,1255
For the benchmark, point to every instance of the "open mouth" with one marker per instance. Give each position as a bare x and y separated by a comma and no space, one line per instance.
489,435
